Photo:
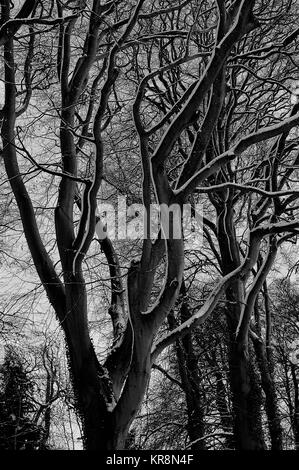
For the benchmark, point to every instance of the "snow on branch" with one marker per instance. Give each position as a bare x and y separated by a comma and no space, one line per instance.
213,434
251,139
244,188
241,25
242,271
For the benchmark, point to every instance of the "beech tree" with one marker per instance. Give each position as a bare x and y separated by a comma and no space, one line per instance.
83,78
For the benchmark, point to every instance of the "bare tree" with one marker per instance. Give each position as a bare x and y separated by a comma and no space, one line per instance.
84,73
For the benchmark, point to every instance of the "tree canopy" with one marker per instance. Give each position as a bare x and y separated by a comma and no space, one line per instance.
109,110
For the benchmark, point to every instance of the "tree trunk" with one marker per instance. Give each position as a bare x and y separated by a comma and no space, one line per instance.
92,389
190,380
271,405
222,405
245,393
246,398
295,421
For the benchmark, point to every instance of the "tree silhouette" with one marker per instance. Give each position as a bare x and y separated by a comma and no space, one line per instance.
18,431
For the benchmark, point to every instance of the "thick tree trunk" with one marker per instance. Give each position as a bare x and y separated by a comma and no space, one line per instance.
245,393
246,398
91,383
90,401
190,377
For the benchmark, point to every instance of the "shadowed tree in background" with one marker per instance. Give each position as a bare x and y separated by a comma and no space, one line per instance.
18,431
